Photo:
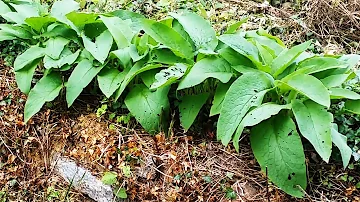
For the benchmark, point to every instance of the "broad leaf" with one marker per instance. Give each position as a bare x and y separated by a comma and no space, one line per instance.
282,61
199,30
148,107
209,67
45,90
168,76
24,76
55,46
169,37
135,70
311,87
16,31
165,56
31,54
109,80
234,58
124,56
135,18
246,92
109,178
314,123
100,49
80,77
256,116
334,80
189,108
235,26
353,106
61,8
80,19
38,23
66,57
242,46
219,98
119,29
340,93
278,149
180,29
120,193
4,8
26,10
340,142
318,64
5,36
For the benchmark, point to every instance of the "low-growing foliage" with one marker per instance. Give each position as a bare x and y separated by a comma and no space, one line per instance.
279,93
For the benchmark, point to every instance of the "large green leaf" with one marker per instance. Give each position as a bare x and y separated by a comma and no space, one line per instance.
26,10
45,90
168,76
16,31
4,8
311,87
81,76
14,17
219,96
340,93
318,64
278,149
353,106
109,80
169,37
180,29
31,54
100,49
135,18
55,46
256,116
66,57
80,19
189,108
165,56
199,30
61,8
246,92
340,142
119,29
314,123
286,57
124,56
135,70
148,107
24,76
5,36
334,80
209,67
234,58
37,23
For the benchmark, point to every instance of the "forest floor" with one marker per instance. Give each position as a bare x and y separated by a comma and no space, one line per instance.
182,167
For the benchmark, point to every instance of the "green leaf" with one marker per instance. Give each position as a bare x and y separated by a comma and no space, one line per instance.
4,8
45,90
100,49
66,57
168,76
286,57
319,64
55,46
340,142
265,56
148,77
16,31
340,93
242,46
31,54
235,26
80,19
135,70
5,36
121,193
80,77
168,37
246,92
14,17
208,67
109,178
278,148
109,80
37,23
235,58
124,56
148,107
165,56
311,87
24,76
219,98
314,123
180,29
26,10
353,106
189,108
199,30
256,116
135,18
334,80
119,29
63,7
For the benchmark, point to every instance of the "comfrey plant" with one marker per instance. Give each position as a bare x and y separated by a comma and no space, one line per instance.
276,92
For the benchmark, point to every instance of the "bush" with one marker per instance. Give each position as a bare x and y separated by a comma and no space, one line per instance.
278,92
